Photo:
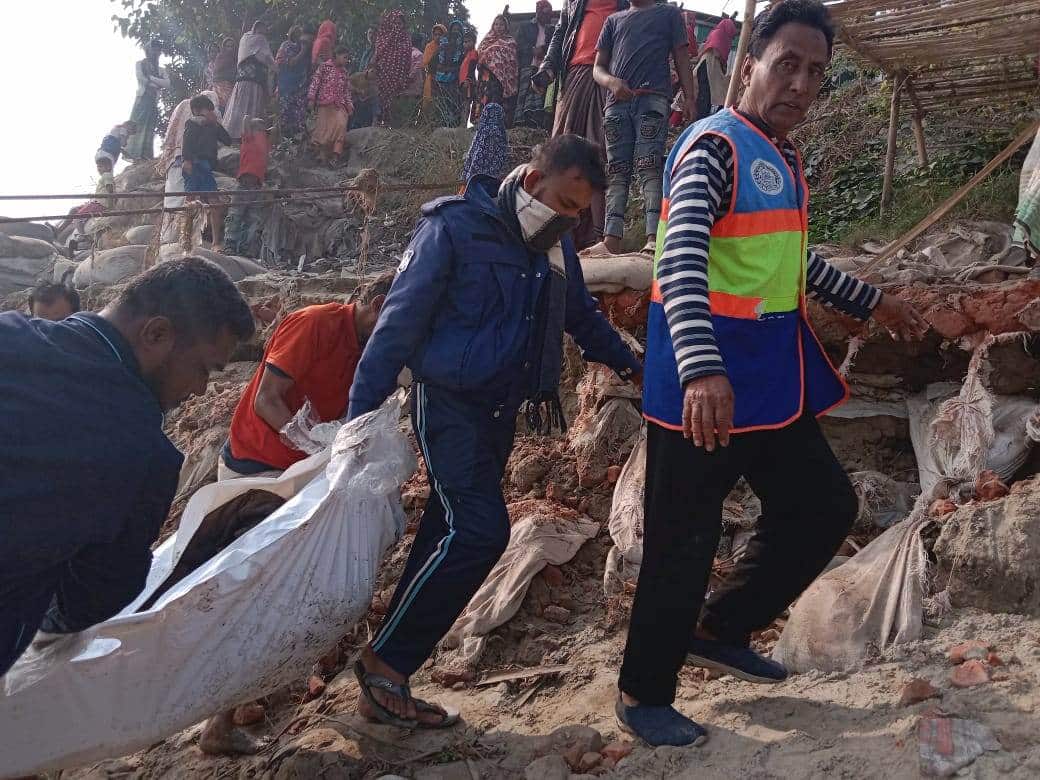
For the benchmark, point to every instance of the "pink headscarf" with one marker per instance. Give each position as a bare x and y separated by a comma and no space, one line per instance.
721,38
324,43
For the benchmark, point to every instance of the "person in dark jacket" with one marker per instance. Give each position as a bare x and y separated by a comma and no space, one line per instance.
482,297
89,475
580,100
203,135
532,43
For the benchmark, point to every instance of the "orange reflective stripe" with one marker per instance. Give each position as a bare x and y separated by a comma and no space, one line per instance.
757,223
664,208
655,293
738,306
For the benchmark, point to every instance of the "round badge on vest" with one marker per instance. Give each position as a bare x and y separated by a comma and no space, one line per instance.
766,177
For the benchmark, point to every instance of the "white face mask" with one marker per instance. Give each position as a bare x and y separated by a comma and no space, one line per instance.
542,227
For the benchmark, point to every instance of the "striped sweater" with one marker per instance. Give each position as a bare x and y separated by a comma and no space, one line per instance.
701,190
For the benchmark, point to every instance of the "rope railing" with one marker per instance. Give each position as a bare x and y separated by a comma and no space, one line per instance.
330,194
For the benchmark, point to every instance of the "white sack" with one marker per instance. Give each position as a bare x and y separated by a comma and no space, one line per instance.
110,266
614,273
250,620
625,523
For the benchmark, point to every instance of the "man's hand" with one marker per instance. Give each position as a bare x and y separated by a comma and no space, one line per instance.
902,320
622,92
541,80
707,408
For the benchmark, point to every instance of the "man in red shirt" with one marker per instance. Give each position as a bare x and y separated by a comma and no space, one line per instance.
311,356
242,228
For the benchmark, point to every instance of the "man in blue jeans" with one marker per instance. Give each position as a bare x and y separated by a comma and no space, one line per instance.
632,65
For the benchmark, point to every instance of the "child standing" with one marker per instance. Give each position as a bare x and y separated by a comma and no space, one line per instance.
203,135
242,227
632,65
107,156
330,94
468,77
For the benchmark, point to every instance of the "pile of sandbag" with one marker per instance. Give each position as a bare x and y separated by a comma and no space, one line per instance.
24,261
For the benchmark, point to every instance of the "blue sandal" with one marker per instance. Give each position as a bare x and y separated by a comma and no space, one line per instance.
367,681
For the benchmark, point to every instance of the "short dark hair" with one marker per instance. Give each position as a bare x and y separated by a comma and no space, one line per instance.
369,291
811,13
201,103
567,151
193,294
48,293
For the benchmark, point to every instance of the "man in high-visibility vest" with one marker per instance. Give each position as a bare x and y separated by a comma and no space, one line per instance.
734,382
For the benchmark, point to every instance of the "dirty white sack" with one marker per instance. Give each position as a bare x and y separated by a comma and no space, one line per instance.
625,523
873,600
241,625
614,273
538,537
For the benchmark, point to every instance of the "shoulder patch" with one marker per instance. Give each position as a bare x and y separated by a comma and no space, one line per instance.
406,260
766,177
435,205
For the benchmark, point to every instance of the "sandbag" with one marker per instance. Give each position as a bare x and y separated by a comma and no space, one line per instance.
539,536
625,523
238,268
110,266
142,234
24,262
243,624
37,230
869,602
614,273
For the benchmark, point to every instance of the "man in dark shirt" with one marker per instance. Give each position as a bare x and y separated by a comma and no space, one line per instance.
203,135
89,475
632,65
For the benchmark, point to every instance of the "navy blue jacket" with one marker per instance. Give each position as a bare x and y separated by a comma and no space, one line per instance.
88,476
460,311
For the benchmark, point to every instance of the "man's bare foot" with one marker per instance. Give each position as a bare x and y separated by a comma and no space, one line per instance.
613,244
221,737
395,704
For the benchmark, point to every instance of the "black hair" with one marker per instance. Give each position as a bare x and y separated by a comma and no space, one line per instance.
811,13
201,103
48,293
567,151
417,41
379,286
195,295
469,35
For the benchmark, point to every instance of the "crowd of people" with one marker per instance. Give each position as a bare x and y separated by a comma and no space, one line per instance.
733,378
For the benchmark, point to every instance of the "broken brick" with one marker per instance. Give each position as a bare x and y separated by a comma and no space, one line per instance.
450,677
613,472
315,687
248,714
916,691
969,674
988,486
555,614
553,576
617,750
942,506
589,761
994,660
967,651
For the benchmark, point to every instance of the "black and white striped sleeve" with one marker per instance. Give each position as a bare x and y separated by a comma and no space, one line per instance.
698,189
838,290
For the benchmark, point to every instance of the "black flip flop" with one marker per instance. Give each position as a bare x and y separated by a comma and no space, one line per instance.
367,681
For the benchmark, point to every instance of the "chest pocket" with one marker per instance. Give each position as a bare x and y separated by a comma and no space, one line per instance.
493,278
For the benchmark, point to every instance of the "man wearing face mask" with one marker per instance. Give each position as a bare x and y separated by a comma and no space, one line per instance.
89,475
478,310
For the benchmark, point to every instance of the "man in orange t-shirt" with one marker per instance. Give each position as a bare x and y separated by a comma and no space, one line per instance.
311,356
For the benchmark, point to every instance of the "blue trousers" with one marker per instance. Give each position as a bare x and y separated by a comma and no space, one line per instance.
636,132
464,529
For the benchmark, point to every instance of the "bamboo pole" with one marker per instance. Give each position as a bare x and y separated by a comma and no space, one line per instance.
918,124
890,150
742,46
1024,137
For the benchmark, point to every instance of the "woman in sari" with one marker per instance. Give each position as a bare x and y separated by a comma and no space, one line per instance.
430,58
499,67
330,95
222,72
249,97
145,113
392,61
324,43
488,154
293,60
